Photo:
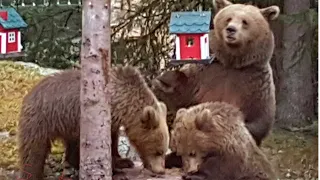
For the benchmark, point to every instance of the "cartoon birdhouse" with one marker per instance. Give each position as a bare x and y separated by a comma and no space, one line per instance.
10,36
191,30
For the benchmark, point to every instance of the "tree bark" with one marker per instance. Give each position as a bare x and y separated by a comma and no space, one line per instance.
276,61
295,104
95,128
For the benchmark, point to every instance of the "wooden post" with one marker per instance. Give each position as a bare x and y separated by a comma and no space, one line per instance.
95,126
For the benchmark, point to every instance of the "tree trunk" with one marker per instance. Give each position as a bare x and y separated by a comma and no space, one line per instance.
276,61
295,98
95,136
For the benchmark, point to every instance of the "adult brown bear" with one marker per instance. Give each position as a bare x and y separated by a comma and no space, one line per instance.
243,44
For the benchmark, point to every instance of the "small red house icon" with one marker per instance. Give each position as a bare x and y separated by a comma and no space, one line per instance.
10,35
191,34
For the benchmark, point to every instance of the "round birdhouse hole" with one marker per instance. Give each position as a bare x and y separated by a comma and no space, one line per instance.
190,41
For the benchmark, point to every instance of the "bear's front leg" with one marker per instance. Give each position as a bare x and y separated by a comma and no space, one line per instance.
123,163
119,161
72,154
72,159
118,174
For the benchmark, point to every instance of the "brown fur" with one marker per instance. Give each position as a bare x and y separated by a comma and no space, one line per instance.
241,74
215,144
51,110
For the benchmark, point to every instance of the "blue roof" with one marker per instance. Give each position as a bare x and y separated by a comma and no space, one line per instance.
14,19
190,22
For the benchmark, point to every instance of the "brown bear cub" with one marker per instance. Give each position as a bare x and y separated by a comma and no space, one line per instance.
215,145
51,110
241,75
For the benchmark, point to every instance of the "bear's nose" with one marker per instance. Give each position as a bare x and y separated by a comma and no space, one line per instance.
231,29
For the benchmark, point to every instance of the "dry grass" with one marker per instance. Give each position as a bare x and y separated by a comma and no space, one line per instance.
15,82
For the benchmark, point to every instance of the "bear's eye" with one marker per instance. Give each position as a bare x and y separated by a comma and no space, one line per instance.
158,154
245,22
229,19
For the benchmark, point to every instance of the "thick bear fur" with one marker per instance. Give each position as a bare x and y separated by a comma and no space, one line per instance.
241,75
51,110
215,144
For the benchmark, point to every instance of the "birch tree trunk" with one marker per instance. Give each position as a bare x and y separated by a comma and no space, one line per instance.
95,128
295,97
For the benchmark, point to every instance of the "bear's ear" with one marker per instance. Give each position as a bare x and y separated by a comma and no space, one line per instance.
270,13
181,111
169,80
163,108
220,4
203,120
149,118
178,118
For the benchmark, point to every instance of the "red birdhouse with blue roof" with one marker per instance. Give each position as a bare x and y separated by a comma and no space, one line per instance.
191,30
10,36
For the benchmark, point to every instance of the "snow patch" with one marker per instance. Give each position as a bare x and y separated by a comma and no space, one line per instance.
43,71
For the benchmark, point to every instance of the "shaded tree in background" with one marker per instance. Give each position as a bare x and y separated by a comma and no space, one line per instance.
53,36
295,103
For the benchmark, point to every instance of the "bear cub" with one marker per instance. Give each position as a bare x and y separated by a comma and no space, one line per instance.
51,110
214,144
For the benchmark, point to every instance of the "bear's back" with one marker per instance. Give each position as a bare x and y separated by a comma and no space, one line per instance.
54,102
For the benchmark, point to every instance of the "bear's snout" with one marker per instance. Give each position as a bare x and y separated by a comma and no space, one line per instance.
231,34
155,164
231,30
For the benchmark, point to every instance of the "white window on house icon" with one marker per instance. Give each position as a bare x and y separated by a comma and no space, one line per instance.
11,37
190,41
